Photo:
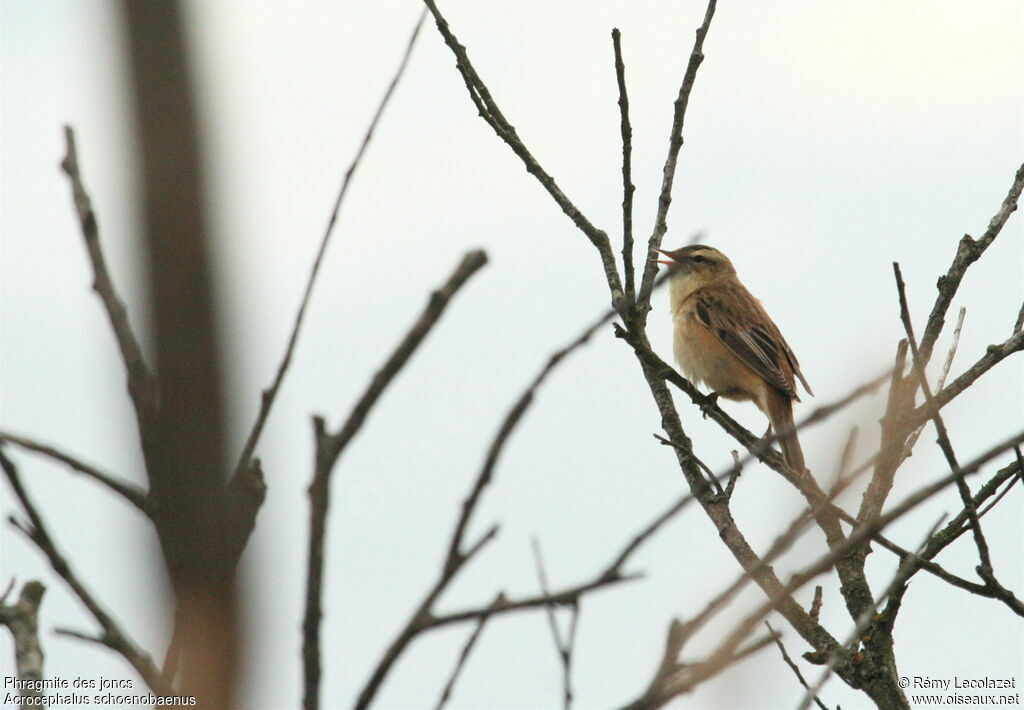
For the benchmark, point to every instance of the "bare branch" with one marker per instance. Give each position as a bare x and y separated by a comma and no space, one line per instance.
959,524
80,636
816,603
760,448
115,638
912,439
270,394
22,620
246,492
984,568
563,647
994,354
508,425
489,111
130,492
569,595
675,144
789,661
657,692
859,536
869,617
757,447
680,633
455,558
641,537
995,501
627,179
847,455
682,678
424,619
901,422
467,648
330,446
947,366
718,511
672,678
142,386
940,427
892,450
187,463
969,251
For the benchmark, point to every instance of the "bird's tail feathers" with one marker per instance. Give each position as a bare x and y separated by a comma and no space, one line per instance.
780,414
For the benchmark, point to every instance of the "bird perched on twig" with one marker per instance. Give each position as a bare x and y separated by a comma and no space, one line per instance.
725,339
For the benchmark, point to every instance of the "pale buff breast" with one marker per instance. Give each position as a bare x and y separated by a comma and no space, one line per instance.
705,359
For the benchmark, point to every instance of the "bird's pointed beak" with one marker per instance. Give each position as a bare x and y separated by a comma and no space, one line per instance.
673,262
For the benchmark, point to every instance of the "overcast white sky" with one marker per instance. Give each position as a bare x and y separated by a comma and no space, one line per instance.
824,140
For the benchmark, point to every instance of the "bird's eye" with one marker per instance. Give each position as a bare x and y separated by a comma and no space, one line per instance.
698,259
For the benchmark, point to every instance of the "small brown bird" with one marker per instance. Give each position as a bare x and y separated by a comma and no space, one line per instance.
725,339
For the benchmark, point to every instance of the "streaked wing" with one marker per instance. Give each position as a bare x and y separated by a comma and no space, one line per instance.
742,325
795,366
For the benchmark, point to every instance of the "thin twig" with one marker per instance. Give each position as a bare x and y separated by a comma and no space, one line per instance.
140,380
959,524
492,115
969,251
848,450
866,619
780,598
760,448
568,596
1002,493
994,354
423,619
757,447
655,525
269,395
627,179
330,446
7,591
130,492
781,543
22,620
675,143
946,367
712,479
954,344
858,537
816,603
508,425
115,638
455,557
940,427
892,450
789,662
680,678
563,647
718,511
460,663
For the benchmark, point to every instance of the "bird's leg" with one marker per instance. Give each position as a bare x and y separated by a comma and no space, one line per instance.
710,400
763,445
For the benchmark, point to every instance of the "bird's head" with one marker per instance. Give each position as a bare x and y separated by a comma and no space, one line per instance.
696,266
